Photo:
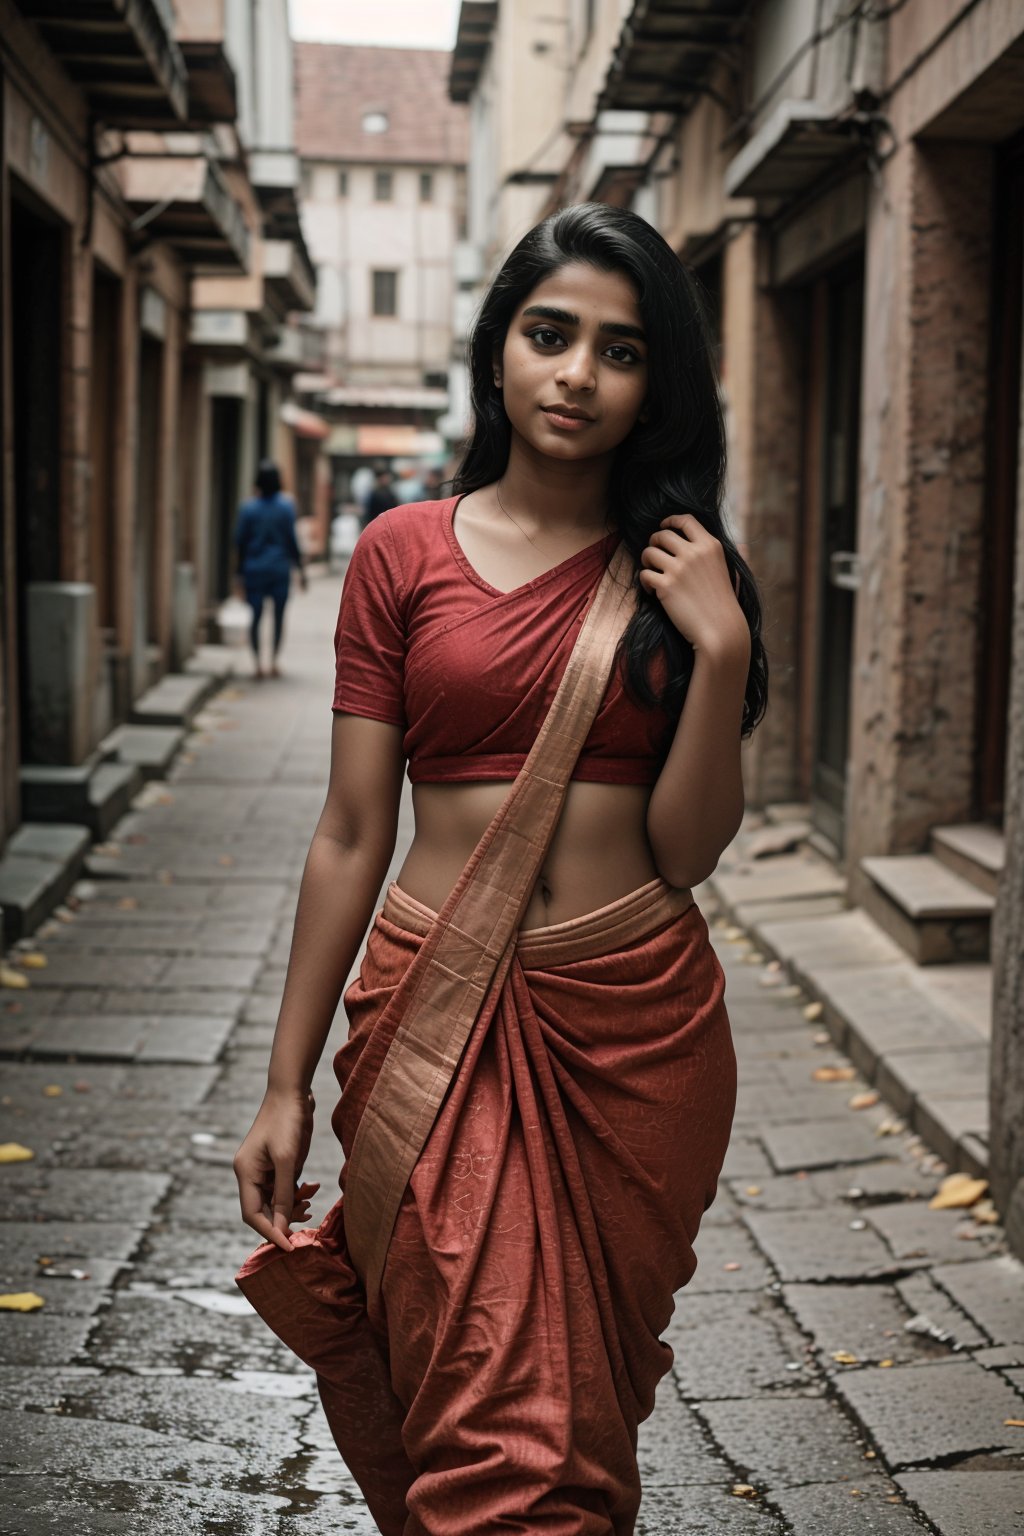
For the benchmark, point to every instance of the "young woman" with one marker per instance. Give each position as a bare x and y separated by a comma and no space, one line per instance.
538,1083
267,549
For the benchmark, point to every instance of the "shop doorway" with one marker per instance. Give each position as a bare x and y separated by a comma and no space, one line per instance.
37,311
833,451
1001,511
103,404
225,448
147,490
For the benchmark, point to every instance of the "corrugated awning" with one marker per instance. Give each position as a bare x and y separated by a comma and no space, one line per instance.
665,52
794,148
304,423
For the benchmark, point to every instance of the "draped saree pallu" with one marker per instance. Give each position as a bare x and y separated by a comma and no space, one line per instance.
533,1122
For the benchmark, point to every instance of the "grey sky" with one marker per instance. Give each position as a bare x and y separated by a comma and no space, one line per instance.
394,23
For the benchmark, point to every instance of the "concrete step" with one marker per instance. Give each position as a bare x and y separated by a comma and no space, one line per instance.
112,789
930,911
95,795
973,850
150,748
39,865
219,662
174,701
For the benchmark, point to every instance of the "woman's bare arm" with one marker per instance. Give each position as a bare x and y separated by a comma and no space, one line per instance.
697,803
345,867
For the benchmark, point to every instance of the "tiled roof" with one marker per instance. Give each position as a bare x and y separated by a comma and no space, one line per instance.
336,85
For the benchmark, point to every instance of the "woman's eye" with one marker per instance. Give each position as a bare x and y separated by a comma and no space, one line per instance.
545,337
624,354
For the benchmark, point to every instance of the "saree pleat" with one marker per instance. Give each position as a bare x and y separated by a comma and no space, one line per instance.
497,1382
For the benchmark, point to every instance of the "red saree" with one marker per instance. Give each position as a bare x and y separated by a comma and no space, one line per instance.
491,1374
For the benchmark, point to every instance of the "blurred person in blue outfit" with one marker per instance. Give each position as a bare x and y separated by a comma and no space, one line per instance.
267,547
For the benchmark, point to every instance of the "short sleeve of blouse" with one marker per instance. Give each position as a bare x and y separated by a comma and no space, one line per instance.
369,640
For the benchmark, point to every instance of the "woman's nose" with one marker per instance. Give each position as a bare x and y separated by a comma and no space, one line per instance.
576,369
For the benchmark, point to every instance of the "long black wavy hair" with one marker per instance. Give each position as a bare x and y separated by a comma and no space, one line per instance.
672,462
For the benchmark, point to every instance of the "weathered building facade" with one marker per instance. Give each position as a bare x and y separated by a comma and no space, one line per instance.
148,200
383,168
847,182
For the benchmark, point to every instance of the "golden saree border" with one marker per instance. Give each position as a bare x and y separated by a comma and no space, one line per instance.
470,944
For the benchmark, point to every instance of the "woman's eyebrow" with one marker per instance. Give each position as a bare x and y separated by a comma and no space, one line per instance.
565,317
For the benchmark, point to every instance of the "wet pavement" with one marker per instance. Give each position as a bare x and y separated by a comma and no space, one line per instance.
847,1359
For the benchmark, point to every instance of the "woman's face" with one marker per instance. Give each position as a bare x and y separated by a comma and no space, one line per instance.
575,345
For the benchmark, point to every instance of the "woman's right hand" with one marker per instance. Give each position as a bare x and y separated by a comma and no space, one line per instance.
268,1163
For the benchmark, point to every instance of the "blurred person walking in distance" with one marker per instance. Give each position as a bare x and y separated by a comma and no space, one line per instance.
539,1080
382,497
268,549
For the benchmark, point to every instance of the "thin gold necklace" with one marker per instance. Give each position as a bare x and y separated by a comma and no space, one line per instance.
511,519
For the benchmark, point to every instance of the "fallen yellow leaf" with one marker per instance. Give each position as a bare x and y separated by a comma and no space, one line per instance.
864,1100
21,1301
1014,1423
127,904
985,1212
843,1357
744,1491
14,1152
9,977
883,1365
33,960
833,1074
813,1011
732,1267
53,1090
752,1190
957,1192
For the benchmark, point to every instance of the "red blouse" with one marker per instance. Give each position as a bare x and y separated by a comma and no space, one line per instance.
469,672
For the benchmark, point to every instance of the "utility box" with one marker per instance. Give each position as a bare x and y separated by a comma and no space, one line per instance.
61,671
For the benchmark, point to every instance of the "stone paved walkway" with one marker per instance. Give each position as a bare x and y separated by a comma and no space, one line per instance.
847,1360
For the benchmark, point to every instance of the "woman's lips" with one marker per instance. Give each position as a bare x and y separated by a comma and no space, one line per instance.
567,423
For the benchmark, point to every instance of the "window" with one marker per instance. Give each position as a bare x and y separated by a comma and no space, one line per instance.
382,186
426,187
307,180
375,122
343,183
385,293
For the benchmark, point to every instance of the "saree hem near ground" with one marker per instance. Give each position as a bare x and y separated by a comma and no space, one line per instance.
483,1307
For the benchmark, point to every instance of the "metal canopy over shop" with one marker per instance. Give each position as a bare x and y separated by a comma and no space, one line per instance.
212,92
184,200
472,40
665,50
795,148
288,280
123,55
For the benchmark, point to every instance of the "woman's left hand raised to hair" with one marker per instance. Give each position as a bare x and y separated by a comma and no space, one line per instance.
685,567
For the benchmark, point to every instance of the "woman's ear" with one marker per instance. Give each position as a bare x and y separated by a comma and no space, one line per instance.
496,367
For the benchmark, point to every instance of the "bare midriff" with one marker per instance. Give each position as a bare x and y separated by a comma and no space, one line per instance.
599,851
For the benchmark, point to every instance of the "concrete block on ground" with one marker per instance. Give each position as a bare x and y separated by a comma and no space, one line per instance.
974,850
217,661
860,1508
955,1128
150,748
992,1293
779,879
918,1236
924,1413
785,1443
865,1320
981,1503
818,1245
821,1143
175,700
932,912
39,865
112,788
846,940
905,1076
925,1302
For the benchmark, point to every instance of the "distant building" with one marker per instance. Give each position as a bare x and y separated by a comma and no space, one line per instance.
383,154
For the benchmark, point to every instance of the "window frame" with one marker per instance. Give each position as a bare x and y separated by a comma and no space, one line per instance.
380,178
380,273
